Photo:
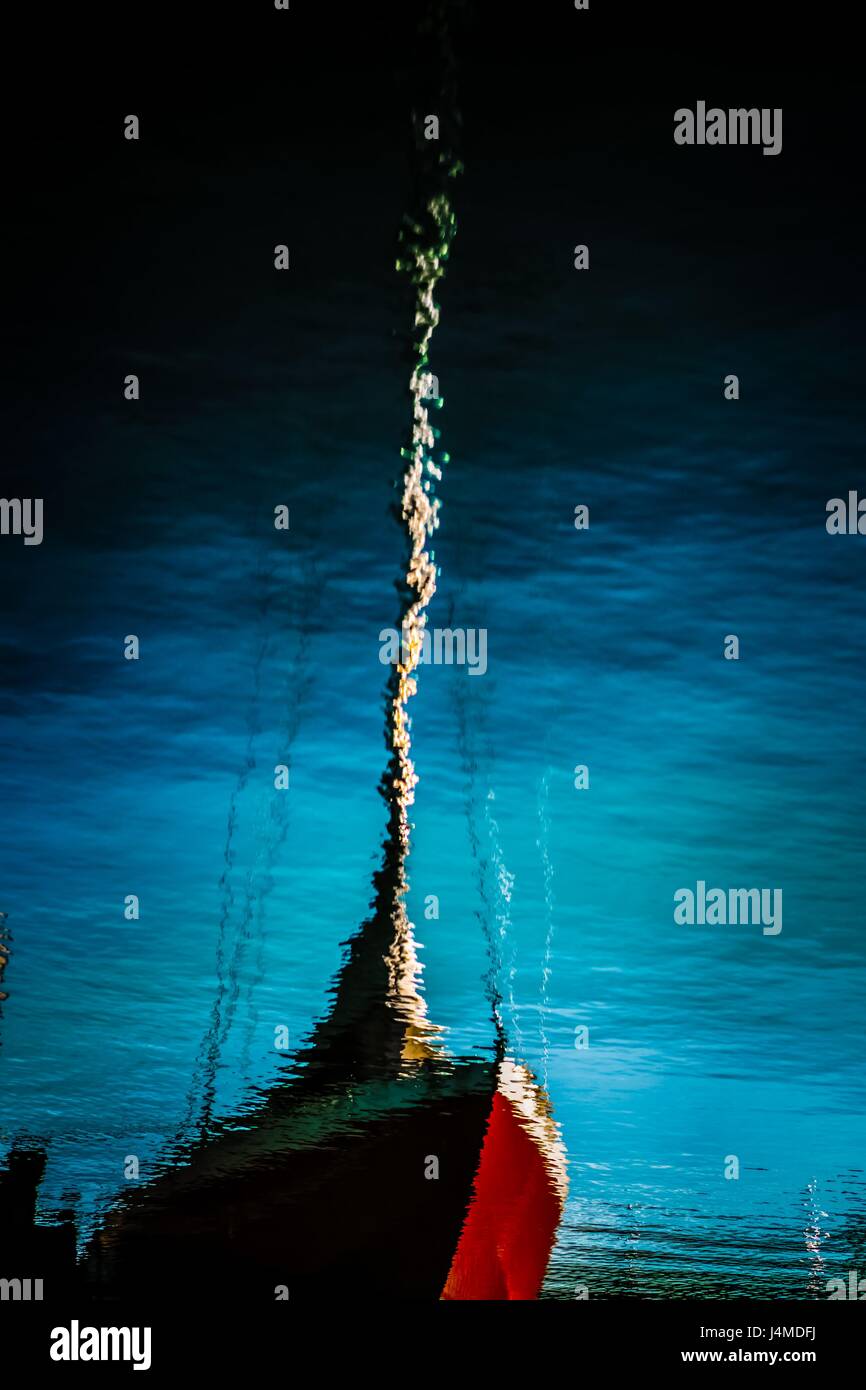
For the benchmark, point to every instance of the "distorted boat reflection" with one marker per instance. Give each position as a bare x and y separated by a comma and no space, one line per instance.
382,1165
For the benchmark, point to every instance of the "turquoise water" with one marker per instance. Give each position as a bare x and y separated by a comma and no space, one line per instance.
604,648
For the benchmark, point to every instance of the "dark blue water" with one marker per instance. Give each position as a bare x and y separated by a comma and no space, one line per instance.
605,648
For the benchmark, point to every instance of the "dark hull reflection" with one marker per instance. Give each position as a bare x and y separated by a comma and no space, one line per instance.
350,1215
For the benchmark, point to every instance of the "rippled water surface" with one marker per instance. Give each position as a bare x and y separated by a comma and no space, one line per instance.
261,648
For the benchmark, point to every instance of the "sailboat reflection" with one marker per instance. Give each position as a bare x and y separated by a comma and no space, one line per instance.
327,1189
382,1167
379,1166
